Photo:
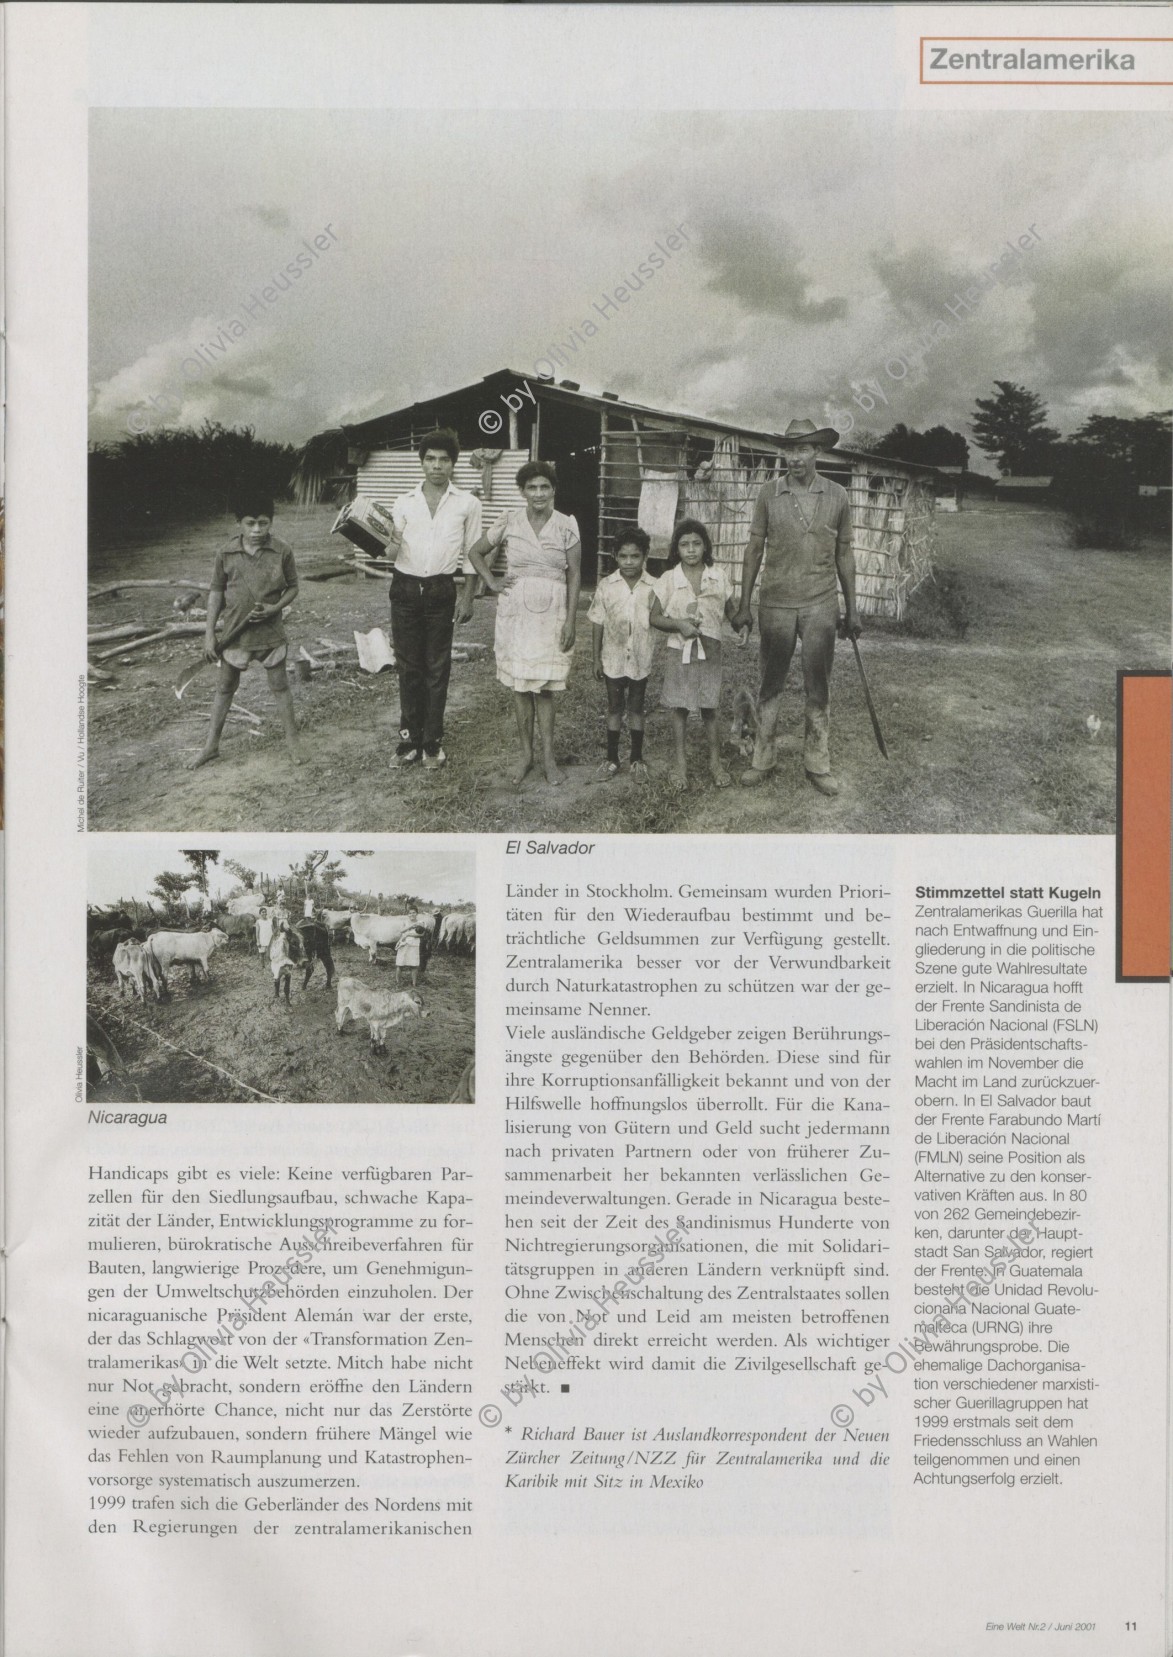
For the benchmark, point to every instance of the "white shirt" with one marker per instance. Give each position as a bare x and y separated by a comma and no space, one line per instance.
706,608
622,612
436,543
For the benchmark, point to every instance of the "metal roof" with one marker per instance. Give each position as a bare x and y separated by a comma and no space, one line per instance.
605,402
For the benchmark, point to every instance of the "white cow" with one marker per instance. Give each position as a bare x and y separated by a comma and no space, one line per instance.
247,903
369,931
381,1009
136,966
189,949
336,919
458,930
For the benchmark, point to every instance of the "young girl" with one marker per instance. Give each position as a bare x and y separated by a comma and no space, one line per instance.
622,646
692,599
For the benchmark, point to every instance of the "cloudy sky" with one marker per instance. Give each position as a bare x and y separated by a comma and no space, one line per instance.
819,256
120,870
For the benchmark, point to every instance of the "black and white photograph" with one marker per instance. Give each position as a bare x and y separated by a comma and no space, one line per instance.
479,471
276,974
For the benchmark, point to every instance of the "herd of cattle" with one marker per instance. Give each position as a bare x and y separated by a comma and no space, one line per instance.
141,960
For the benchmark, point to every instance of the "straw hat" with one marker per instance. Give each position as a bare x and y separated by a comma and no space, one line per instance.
805,431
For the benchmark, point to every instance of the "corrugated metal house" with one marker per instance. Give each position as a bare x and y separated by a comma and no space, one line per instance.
621,463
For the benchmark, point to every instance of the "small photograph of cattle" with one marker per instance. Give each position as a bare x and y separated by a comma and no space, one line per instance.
334,976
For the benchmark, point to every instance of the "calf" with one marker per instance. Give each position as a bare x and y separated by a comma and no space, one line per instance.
106,942
382,1009
190,949
136,966
282,961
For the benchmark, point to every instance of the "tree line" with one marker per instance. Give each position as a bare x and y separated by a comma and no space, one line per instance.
316,876
182,473
1096,474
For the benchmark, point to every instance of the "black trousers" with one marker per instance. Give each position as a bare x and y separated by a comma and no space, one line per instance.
421,636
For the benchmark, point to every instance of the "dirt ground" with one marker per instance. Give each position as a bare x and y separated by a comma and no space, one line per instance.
293,1054
983,692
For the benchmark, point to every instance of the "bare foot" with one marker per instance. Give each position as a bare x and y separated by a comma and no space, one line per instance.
206,758
720,776
554,777
678,779
521,770
295,754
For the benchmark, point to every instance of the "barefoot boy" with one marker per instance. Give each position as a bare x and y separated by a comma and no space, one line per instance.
253,579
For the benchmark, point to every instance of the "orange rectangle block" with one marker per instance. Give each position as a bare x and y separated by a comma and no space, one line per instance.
1144,781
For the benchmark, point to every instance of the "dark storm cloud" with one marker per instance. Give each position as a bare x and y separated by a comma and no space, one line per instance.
754,260
273,218
821,247
1099,316
917,280
245,385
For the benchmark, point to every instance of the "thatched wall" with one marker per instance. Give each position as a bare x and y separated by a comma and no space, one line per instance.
719,478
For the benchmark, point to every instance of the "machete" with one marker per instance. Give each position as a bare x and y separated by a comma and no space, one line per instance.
868,699
186,674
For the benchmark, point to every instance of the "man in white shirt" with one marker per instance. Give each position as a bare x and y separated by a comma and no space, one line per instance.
435,525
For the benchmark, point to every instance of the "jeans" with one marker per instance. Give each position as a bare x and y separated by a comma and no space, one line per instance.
421,635
781,630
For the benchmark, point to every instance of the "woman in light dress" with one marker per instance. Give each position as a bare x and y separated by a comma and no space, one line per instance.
537,611
407,950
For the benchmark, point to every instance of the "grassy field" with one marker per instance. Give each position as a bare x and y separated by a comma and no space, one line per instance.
983,691
288,1053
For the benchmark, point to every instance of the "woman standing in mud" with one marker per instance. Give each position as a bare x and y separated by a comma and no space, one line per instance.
536,615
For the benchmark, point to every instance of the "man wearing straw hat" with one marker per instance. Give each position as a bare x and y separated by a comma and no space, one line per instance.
802,524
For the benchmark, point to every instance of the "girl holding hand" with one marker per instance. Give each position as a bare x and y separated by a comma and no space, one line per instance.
693,600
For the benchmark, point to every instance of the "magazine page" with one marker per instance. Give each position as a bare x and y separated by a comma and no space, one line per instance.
588,831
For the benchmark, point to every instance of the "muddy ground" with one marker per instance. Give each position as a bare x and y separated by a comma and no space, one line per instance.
983,691
293,1053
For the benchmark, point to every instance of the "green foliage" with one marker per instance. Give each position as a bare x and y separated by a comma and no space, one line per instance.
1142,444
170,885
1099,494
936,447
199,861
1012,427
1099,472
181,472
939,608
